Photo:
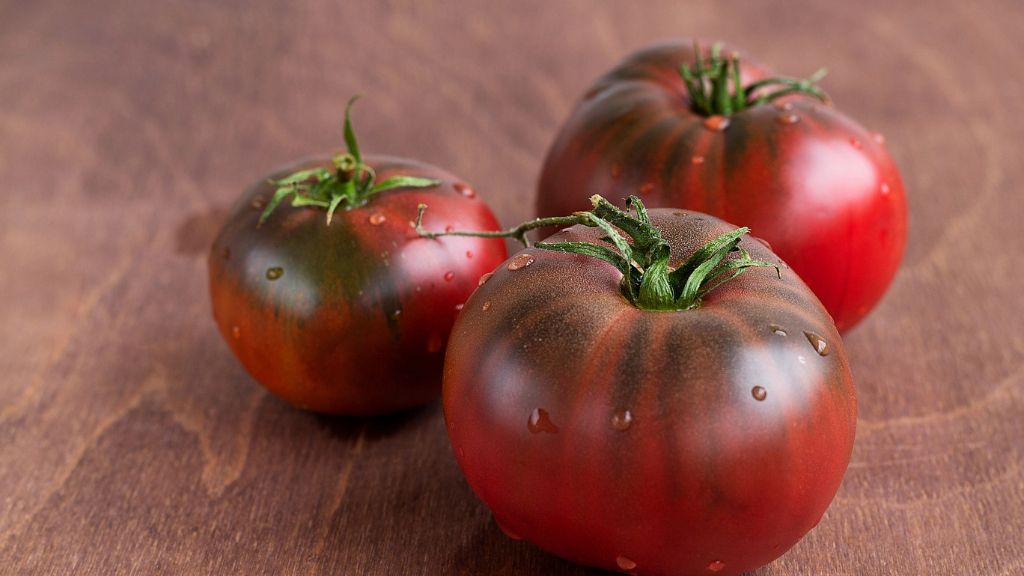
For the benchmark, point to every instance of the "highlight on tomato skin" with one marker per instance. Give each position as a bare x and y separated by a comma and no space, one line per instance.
703,439
775,156
334,303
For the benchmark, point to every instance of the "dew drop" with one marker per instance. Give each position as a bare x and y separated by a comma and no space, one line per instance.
622,420
236,332
258,202
396,313
275,273
377,218
469,254
434,343
520,261
787,118
759,393
449,276
778,330
784,106
697,159
801,359
716,566
819,344
507,531
464,189
884,188
856,143
484,278
716,123
879,138
459,307
625,563
616,170
449,228
646,188
486,306
540,421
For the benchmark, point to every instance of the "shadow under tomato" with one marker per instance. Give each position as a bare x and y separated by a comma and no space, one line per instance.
376,427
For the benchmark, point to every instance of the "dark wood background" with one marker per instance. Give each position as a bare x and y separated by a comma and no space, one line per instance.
131,442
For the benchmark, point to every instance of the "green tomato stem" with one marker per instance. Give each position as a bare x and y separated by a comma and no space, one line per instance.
640,253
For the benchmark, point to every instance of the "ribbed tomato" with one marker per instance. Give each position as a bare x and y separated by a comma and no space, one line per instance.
658,442
814,183
350,317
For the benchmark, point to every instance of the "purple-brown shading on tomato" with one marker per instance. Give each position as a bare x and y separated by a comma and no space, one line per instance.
350,316
811,181
657,442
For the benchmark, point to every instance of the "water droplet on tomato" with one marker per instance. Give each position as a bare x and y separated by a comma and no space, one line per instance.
258,202
459,307
716,123
856,143
716,566
236,332
469,254
697,159
377,218
879,138
464,189
646,188
819,344
801,359
784,106
275,273
625,563
520,261
540,421
759,393
486,306
778,330
396,313
449,276
484,278
884,188
787,118
449,228
616,170
507,531
622,420
434,343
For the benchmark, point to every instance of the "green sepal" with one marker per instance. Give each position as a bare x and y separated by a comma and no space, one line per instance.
403,182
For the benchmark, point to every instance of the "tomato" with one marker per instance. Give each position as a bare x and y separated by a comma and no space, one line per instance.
808,179
349,317
704,439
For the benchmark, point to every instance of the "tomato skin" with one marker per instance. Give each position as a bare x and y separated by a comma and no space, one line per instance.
700,472
821,189
357,321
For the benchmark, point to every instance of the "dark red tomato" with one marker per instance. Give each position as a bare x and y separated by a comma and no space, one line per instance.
707,440
815,184
351,317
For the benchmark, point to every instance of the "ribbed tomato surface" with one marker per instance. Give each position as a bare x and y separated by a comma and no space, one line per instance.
818,186
350,318
700,441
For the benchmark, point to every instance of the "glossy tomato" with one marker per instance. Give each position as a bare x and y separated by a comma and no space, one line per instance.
815,184
703,440
350,317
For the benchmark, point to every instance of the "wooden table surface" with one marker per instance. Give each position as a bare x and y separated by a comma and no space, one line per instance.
131,442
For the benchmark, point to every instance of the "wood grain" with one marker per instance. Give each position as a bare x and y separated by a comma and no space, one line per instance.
131,442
